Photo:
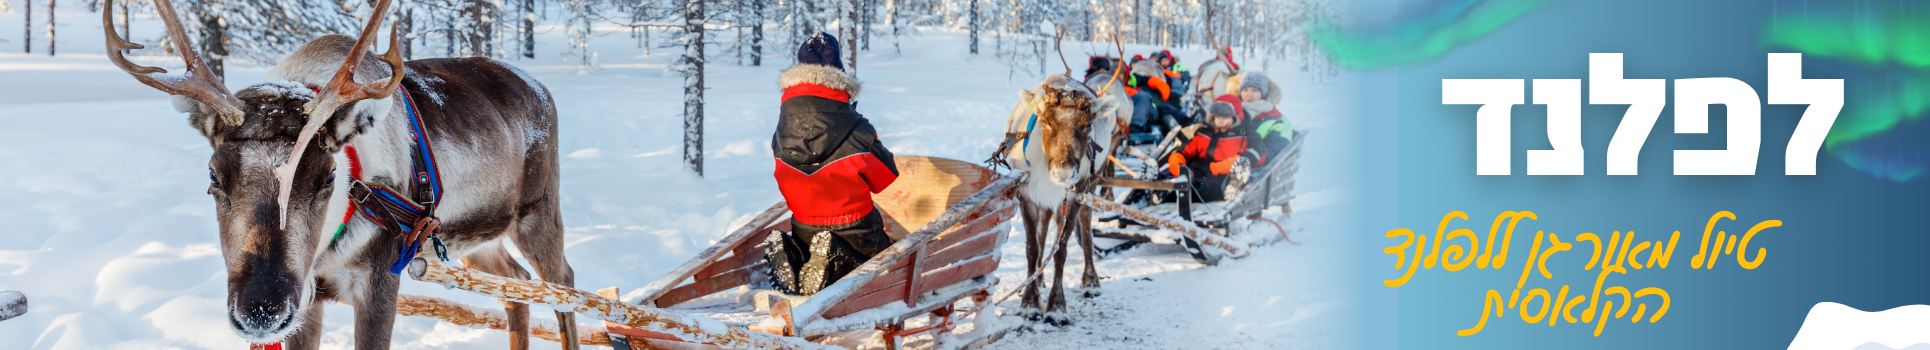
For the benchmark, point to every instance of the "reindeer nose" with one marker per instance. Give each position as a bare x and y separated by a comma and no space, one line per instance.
262,321
263,299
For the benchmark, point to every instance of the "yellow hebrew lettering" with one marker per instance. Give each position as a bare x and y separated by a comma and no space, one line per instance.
1492,306
1435,255
1743,248
1500,257
1702,252
1401,251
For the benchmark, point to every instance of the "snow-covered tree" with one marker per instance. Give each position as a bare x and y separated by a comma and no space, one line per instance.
28,37
692,64
50,27
255,31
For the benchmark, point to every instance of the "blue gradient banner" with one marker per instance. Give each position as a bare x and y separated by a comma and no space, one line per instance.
1753,256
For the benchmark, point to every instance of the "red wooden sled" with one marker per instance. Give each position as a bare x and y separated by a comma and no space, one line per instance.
961,210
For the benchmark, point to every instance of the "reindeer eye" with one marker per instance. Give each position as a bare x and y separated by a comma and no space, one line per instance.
329,181
212,179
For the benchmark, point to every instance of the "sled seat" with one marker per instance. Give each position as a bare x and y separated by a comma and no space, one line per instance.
962,211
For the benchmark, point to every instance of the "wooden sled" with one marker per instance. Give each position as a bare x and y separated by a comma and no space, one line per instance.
950,258
960,209
1199,225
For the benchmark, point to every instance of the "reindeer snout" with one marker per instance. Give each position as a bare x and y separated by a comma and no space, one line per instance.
263,301
262,322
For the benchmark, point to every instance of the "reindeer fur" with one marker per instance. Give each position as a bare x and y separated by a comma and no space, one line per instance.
494,132
1059,156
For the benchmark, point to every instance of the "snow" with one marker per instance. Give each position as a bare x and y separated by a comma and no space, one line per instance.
108,231
12,304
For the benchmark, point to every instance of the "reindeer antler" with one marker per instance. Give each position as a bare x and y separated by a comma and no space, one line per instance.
198,83
341,91
1122,60
1057,43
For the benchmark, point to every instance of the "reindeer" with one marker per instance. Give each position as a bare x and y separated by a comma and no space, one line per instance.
292,155
1060,129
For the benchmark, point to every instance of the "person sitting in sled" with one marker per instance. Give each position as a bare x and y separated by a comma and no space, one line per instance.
1155,103
1271,130
829,162
1176,74
1214,150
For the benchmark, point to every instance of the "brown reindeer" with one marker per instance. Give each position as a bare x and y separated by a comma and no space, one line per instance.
1064,128
282,201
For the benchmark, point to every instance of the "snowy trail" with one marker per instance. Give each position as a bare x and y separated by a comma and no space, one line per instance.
105,226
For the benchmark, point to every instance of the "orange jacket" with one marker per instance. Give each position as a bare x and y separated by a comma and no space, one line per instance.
1214,151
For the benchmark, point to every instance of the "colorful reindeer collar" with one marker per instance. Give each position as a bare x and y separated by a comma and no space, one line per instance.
410,213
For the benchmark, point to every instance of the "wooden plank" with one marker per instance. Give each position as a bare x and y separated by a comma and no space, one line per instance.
892,277
894,292
704,287
1166,222
480,317
975,247
1141,184
956,273
1122,235
893,280
639,333
932,303
590,305
811,310
736,260
935,275
676,276
976,228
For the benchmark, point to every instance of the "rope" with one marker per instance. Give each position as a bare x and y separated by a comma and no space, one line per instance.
1276,225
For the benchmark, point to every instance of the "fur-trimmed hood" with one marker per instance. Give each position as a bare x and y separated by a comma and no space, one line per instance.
1148,68
821,75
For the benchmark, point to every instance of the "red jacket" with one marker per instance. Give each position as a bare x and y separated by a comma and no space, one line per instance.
1212,151
829,160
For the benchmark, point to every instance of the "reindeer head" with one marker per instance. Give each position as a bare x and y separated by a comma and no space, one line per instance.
1066,114
271,186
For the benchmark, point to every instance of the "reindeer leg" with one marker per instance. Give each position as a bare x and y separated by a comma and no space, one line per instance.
1029,297
539,236
375,317
539,228
497,261
1055,311
1089,283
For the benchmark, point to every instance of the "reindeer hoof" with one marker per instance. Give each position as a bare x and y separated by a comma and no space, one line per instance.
1091,293
1057,319
1031,314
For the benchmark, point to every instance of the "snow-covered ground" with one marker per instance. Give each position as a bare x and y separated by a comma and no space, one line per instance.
105,226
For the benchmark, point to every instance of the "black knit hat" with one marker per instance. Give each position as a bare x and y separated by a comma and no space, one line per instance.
821,49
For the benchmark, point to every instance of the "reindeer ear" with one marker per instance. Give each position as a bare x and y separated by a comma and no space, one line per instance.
200,117
1025,95
1105,107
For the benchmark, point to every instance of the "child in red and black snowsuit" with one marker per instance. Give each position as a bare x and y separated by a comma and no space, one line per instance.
829,162
1216,146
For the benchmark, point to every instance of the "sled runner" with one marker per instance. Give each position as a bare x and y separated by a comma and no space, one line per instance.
1204,228
722,296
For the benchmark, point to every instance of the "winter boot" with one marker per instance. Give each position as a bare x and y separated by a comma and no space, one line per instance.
811,278
785,258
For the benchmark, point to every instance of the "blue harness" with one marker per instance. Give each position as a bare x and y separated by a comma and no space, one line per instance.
412,215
